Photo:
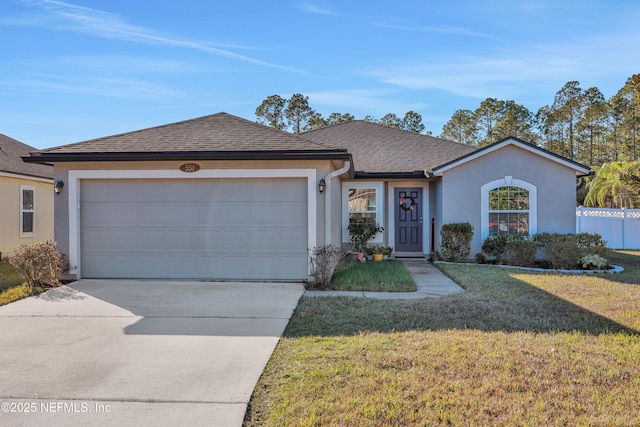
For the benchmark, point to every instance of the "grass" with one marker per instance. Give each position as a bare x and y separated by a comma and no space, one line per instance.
385,276
12,287
517,348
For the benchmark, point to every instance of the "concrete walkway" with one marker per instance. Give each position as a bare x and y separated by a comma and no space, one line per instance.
430,281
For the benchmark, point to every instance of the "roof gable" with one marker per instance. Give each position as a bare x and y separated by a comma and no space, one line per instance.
11,152
578,167
384,150
213,136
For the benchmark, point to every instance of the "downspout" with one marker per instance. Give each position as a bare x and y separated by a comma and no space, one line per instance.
327,201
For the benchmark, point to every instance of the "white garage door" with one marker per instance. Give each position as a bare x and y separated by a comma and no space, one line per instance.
212,229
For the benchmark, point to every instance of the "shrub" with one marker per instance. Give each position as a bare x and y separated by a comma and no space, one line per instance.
582,244
326,261
456,241
520,252
361,232
564,254
590,240
496,245
41,264
593,244
543,240
593,261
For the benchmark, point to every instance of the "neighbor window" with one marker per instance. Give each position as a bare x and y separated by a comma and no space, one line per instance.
27,210
508,211
362,205
509,207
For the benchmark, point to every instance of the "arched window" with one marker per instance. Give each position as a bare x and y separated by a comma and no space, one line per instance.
509,207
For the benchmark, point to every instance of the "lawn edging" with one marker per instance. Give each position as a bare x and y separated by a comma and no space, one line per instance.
613,270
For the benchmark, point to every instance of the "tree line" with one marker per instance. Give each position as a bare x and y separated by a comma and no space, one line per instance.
296,114
579,124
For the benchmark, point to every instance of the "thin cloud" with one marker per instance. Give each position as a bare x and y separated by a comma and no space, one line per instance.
442,29
128,64
314,9
103,24
109,87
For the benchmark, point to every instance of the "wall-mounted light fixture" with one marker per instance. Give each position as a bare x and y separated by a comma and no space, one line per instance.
322,185
58,187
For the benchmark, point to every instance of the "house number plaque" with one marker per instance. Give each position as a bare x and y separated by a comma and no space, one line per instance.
190,167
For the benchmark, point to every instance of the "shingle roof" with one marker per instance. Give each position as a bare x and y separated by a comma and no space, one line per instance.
381,149
11,160
219,132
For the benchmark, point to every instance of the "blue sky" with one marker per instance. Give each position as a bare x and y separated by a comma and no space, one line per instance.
77,70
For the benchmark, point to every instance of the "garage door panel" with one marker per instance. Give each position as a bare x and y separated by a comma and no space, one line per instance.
230,267
232,229
103,213
193,242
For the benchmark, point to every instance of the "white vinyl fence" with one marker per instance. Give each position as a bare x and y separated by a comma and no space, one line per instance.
619,227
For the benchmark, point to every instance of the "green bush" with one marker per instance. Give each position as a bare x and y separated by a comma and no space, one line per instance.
593,244
41,264
361,232
583,240
579,245
456,241
589,240
496,245
564,254
520,252
543,240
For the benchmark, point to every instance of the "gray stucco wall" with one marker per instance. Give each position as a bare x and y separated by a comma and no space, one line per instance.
556,189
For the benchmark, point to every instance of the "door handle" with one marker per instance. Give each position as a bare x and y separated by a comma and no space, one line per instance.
420,220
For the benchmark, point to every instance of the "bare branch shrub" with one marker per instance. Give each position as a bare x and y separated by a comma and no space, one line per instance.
326,261
41,263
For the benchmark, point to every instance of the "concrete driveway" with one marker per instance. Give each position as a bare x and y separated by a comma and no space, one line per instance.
127,352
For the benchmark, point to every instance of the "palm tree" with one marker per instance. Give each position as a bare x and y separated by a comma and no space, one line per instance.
632,178
616,185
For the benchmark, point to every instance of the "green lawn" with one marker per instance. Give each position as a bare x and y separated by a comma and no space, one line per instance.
517,348
384,276
11,284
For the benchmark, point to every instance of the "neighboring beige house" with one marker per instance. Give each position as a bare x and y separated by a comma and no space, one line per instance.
26,197
223,198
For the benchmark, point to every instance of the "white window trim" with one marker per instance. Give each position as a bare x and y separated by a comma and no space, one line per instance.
379,187
22,211
508,181
76,176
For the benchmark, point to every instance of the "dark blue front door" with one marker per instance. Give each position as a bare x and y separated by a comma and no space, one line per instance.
408,219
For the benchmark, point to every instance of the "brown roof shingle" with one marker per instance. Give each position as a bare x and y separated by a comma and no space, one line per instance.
11,160
380,149
219,132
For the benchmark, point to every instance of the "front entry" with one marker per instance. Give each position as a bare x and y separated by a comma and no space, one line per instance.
408,225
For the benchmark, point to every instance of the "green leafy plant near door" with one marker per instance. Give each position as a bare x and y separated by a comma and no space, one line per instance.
361,233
